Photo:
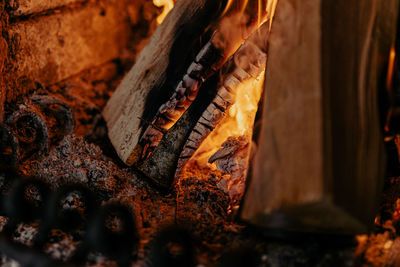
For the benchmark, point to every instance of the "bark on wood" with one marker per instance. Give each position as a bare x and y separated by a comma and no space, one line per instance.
125,108
53,47
319,163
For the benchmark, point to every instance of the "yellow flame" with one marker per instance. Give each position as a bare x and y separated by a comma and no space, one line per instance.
392,57
167,6
227,7
238,121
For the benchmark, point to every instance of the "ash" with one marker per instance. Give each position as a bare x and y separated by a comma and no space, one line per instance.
198,203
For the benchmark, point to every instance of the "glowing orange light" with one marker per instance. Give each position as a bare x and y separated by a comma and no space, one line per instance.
167,6
392,58
238,121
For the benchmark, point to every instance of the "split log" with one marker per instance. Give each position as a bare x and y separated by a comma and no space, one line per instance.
249,62
54,46
319,165
180,142
27,7
211,57
126,107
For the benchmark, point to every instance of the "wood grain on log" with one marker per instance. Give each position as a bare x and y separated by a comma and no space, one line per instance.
50,48
319,163
27,7
127,105
210,58
128,102
249,62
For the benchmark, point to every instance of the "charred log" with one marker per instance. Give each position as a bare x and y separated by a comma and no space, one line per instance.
121,113
181,141
249,62
160,166
207,62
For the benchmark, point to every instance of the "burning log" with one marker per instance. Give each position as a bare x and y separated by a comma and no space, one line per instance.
126,107
249,62
182,140
319,164
211,58
127,104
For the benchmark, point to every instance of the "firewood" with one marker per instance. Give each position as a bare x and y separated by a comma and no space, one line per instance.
210,58
180,142
27,7
319,165
54,46
160,166
249,62
128,102
126,107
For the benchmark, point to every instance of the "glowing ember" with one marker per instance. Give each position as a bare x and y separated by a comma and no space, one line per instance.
392,58
238,122
167,5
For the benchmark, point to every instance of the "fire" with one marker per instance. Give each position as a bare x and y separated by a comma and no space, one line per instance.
392,58
238,121
167,5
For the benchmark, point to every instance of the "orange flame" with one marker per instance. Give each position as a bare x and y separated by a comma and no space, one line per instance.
238,122
167,6
392,58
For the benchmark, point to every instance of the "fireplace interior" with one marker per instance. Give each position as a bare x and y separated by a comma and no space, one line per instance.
199,133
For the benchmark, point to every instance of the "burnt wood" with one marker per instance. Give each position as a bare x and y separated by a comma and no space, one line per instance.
180,142
125,109
127,106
